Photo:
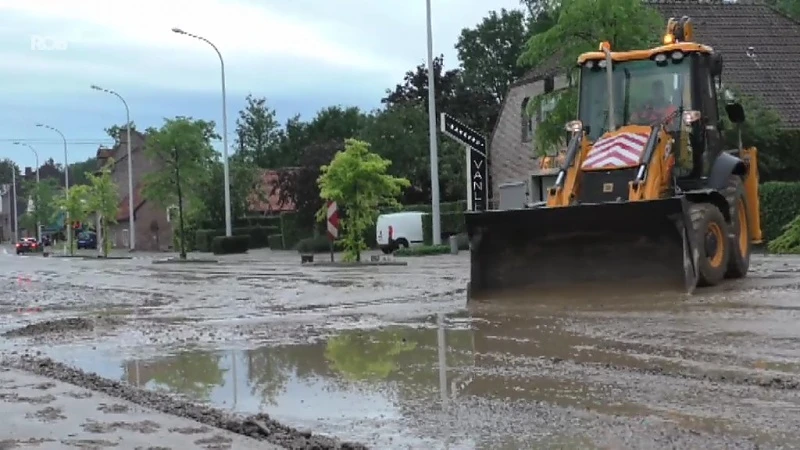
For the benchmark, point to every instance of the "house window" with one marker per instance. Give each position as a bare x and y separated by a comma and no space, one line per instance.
547,106
526,120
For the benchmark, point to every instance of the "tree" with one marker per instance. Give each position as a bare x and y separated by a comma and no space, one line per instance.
75,204
476,108
243,182
400,134
259,135
104,201
357,181
42,195
115,131
182,147
626,24
489,52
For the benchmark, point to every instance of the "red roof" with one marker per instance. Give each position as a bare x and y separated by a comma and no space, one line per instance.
266,189
138,201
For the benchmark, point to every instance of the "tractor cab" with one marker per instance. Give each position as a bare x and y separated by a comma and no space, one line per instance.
624,94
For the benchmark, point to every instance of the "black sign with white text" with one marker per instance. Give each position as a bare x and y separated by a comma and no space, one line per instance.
478,163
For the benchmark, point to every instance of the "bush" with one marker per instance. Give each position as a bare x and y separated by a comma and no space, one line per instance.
780,204
424,250
259,236
224,245
317,244
452,223
275,242
789,241
292,231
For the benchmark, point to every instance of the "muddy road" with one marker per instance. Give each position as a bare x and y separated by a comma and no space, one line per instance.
392,357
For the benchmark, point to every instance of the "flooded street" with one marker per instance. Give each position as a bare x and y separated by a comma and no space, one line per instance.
393,357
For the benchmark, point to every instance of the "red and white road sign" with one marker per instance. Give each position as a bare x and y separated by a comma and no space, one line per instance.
333,221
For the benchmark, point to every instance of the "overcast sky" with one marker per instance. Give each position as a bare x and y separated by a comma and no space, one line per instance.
302,55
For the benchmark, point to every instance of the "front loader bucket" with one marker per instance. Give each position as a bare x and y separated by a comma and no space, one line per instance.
608,247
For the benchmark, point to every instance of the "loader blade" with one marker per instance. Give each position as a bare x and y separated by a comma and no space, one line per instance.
622,247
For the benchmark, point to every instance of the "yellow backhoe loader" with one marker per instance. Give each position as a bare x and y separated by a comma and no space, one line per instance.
647,193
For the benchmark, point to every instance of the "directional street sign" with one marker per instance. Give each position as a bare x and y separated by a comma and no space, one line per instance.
462,133
476,160
333,221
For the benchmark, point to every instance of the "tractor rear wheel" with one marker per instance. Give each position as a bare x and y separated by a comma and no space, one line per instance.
713,244
739,262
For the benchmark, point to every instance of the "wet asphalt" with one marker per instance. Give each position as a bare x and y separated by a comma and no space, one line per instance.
393,357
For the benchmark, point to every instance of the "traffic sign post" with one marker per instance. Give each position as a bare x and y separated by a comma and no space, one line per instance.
477,161
332,224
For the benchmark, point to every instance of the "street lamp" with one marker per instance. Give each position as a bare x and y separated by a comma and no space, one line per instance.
36,154
437,224
132,241
228,227
66,180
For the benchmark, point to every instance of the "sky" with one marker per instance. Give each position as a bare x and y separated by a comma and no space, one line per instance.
302,55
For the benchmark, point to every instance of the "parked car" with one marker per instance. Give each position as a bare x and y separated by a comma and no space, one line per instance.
87,240
27,245
396,230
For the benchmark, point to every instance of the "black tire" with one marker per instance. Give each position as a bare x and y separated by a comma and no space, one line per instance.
386,250
402,242
740,243
713,243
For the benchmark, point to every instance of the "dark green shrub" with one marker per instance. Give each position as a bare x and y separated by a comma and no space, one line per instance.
423,250
224,245
259,236
275,242
780,204
292,230
789,241
317,244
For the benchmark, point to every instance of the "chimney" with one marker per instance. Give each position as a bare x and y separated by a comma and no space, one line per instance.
28,172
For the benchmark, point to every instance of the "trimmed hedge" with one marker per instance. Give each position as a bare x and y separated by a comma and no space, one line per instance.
259,236
224,245
317,244
292,231
451,223
275,242
780,204
423,250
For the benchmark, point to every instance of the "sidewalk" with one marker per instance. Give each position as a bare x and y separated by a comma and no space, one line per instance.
52,414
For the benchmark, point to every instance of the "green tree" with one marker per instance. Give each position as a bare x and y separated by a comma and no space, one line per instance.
75,204
182,147
103,199
258,135
43,196
489,52
243,179
400,134
357,181
626,24
115,131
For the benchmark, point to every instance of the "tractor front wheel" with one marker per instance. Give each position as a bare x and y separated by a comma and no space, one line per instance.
711,232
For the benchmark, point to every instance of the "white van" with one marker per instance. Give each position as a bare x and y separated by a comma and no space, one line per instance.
396,230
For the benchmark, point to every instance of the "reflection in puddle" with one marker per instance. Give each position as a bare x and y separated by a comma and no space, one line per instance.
497,378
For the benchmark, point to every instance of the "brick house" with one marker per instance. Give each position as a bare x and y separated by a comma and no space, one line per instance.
153,232
266,198
730,27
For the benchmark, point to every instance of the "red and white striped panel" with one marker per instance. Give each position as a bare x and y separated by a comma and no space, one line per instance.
614,152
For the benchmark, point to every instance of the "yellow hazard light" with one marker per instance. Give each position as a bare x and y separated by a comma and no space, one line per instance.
669,39
605,45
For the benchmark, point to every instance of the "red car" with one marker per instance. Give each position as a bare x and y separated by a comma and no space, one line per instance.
27,245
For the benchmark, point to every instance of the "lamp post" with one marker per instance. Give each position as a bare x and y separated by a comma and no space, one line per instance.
437,224
132,234
66,181
36,205
14,202
228,226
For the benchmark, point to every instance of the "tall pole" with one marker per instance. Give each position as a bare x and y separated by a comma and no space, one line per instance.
131,223
14,201
228,226
437,226
36,205
66,182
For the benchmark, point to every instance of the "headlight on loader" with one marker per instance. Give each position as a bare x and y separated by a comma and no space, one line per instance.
574,126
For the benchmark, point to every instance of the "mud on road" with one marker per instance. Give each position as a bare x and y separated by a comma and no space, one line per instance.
359,355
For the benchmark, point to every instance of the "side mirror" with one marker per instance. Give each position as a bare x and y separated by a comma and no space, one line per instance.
735,112
716,64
